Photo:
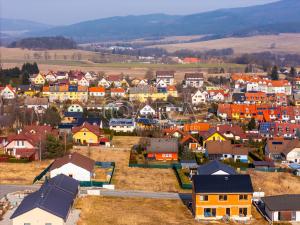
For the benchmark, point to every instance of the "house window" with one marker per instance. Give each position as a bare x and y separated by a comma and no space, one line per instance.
243,197
203,197
27,223
243,212
84,134
222,197
209,212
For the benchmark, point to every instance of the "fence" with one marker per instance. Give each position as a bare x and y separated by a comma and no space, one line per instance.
182,184
271,169
156,166
42,174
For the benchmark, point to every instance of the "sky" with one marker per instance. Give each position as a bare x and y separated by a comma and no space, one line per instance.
64,12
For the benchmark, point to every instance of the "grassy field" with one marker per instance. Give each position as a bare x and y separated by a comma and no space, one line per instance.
138,211
64,60
282,43
127,178
21,173
275,183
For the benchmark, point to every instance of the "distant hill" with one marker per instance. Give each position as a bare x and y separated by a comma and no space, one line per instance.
278,17
11,26
48,43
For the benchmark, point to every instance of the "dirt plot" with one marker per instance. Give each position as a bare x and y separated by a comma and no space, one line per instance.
21,173
139,211
275,183
132,211
127,178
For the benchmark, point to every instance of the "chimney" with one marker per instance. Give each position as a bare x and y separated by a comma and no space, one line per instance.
70,156
218,129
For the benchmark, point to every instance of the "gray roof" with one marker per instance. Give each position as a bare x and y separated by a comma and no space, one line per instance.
121,122
55,196
161,145
35,101
222,184
289,202
214,166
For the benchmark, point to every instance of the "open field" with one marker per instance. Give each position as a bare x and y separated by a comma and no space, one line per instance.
21,173
283,43
275,183
133,211
128,178
10,57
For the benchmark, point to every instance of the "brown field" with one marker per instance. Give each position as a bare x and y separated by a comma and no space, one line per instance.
275,183
127,178
138,211
21,173
283,43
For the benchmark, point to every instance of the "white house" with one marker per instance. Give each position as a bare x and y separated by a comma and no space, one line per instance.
122,125
75,108
199,97
50,77
61,75
216,96
104,83
193,80
97,91
8,92
74,165
161,83
38,104
147,110
284,208
294,155
215,167
166,76
117,92
83,82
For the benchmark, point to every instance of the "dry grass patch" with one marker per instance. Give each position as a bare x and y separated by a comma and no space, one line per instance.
21,173
132,211
275,183
100,174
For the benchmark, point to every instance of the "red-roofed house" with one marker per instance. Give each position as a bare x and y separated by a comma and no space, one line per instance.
117,92
87,134
7,92
97,91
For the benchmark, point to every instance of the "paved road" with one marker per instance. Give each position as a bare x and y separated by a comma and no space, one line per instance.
144,194
5,189
9,188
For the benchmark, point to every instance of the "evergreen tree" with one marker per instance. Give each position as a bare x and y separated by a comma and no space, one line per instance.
52,117
252,124
293,72
54,148
274,73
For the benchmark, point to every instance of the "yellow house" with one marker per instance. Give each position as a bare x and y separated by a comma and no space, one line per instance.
38,79
213,136
215,197
172,91
142,94
86,134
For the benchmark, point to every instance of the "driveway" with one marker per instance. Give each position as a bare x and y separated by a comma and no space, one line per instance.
8,188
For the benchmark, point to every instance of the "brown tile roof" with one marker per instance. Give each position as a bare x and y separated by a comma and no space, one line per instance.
225,147
162,145
76,159
282,146
92,128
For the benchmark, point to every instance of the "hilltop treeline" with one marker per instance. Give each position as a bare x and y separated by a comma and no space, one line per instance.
16,75
45,43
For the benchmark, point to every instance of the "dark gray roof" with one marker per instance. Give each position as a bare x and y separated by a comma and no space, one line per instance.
214,166
238,97
222,184
55,196
283,202
163,145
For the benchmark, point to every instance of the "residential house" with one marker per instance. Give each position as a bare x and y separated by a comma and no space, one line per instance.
296,98
8,92
87,134
74,165
196,127
63,93
50,77
39,105
215,167
144,93
162,149
117,92
172,91
217,150
115,80
190,60
83,82
27,143
161,84
97,91
166,76
199,97
281,149
38,79
104,83
122,125
193,80
285,208
216,197
147,110
51,204
75,107
217,95
62,75
238,98
213,134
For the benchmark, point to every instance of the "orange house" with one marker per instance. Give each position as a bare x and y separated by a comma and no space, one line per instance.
196,127
217,196
162,149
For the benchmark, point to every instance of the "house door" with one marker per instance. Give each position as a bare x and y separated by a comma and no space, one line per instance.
227,211
294,216
285,216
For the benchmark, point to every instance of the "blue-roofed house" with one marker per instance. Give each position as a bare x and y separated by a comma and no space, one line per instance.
215,167
267,129
122,125
51,204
